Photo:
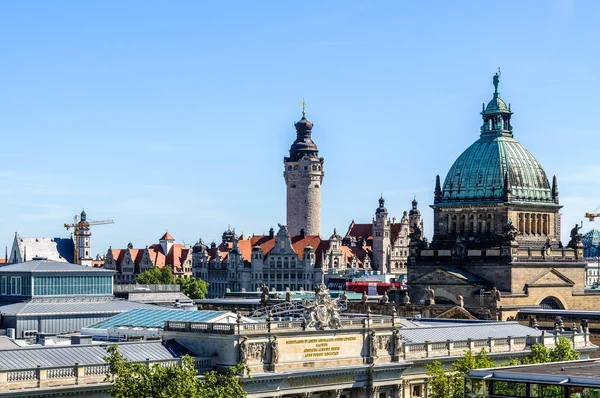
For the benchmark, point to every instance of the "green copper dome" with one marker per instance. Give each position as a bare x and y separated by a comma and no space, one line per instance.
496,168
496,105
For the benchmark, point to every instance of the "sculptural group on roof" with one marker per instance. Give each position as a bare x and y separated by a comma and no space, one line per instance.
323,312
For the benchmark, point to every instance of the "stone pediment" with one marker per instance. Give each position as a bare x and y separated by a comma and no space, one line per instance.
551,278
450,276
456,312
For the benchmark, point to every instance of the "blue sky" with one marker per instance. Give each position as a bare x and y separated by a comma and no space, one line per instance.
177,115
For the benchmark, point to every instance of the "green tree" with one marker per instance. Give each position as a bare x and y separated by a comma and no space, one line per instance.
191,287
448,383
469,361
563,351
442,384
134,379
156,276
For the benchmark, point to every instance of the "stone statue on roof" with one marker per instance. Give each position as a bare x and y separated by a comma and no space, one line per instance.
384,299
495,297
576,237
264,296
496,80
323,312
430,294
510,232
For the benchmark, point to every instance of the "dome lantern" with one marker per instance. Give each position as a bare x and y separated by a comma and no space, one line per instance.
496,115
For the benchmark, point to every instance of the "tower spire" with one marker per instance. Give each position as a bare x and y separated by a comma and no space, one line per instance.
303,105
438,190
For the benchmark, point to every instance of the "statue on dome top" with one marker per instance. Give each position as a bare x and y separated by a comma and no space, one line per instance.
497,80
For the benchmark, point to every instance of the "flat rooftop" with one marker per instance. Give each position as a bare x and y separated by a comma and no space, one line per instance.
579,373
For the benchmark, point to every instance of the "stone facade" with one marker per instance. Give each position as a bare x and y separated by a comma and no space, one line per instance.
303,173
130,262
361,357
281,261
384,244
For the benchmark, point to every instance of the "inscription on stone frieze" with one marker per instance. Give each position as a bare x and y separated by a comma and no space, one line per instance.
312,348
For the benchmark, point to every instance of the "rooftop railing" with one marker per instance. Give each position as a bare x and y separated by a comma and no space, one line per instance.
131,288
294,325
43,377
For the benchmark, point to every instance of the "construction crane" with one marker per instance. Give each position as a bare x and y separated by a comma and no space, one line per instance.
593,215
78,227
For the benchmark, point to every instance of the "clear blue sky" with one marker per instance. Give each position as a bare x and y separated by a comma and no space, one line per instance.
177,115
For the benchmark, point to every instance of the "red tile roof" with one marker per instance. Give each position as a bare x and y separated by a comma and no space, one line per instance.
167,236
365,231
267,244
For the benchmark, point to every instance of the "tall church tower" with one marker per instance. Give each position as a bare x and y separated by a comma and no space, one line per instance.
84,242
381,237
303,173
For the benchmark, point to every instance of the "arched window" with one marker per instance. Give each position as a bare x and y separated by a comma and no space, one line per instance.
551,303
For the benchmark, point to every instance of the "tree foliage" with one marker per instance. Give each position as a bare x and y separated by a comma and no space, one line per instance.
563,351
191,287
443,383
135,379
156,276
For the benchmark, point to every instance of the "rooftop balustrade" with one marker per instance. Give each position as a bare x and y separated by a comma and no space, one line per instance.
131,288
44,377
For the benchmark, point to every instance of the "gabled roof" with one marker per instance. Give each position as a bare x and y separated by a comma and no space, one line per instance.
51,266
365,231
267,243
456,312
167,236
550,278
56,249
177,255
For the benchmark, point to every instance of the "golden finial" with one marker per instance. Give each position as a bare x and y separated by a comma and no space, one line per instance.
303,105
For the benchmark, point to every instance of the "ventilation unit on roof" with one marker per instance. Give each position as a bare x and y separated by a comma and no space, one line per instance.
28,334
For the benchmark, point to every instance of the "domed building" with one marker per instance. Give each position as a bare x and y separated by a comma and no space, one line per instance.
494,182
496,234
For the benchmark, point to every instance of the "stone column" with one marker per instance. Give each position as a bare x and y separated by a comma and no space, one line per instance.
543,224
42,376
521,223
